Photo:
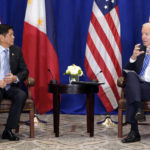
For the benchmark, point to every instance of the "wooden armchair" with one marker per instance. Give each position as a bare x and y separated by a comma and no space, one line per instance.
29,106
122,106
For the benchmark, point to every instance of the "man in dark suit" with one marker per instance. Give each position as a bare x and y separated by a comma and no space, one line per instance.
137,84
13,70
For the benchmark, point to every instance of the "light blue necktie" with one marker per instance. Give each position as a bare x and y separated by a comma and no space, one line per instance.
6,66
145,64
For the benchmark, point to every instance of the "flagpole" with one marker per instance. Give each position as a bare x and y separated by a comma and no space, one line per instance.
37,120
108,122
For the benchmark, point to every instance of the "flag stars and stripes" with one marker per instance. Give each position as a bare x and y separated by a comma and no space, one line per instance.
108,1
112,1
106,7
103,50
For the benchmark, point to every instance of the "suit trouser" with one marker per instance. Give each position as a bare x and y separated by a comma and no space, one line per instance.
18,98
136,90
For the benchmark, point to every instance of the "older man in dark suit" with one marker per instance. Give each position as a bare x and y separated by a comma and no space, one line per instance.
12,71
137,84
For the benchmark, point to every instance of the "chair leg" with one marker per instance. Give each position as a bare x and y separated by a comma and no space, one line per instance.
31,116
120,122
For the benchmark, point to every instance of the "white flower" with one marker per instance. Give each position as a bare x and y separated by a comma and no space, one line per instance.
74,70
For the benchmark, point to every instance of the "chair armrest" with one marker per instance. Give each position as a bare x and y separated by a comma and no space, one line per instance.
121,82
30,82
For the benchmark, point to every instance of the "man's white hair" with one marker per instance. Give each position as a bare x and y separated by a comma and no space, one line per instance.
146,24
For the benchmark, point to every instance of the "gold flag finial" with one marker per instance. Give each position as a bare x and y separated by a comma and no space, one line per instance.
29,2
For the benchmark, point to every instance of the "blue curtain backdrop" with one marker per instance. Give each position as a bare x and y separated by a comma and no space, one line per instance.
72,19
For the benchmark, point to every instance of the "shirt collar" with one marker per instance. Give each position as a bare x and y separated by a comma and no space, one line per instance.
2,48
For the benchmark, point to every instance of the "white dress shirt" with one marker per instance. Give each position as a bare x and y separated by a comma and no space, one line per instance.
2,75
146,75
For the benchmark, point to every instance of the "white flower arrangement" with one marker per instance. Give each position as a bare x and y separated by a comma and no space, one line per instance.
74,70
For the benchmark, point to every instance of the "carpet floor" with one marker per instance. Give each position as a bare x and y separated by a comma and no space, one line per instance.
73,135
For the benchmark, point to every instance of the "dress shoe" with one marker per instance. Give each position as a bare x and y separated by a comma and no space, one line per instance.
139,116
132,137
8,134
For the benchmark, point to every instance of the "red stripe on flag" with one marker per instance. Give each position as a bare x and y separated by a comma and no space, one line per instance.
106,43
102,65
117,11
113,29
101,94
118,40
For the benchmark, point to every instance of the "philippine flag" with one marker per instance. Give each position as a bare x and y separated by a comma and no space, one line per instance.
39,50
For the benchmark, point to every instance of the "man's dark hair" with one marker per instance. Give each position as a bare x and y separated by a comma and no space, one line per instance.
4,28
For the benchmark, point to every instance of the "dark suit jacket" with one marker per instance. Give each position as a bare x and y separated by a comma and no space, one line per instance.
17,64
137,65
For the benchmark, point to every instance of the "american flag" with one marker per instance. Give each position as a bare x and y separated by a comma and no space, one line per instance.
103,51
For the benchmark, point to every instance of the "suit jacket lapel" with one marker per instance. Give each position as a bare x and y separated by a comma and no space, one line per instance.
141,59
11,54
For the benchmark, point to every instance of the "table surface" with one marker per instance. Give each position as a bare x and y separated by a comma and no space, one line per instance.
73,88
